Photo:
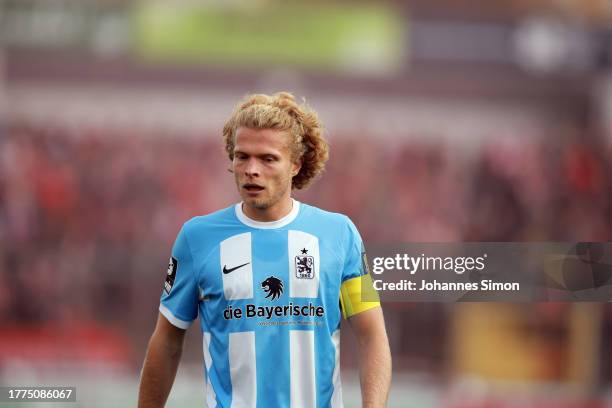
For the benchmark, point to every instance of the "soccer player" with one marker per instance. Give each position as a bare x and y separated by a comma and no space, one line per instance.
270,278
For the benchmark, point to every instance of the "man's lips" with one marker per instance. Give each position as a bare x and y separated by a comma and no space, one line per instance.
252,187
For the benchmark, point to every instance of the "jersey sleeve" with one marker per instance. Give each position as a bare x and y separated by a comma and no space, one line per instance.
357,293
180,295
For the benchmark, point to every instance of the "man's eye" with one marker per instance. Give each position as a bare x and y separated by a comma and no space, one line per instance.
270,159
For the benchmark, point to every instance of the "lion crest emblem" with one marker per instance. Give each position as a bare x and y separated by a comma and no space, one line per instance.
273,287
304,267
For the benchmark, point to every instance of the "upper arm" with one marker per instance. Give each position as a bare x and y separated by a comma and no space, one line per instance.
168,334
368,324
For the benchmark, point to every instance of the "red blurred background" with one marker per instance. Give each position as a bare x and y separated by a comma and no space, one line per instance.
473,122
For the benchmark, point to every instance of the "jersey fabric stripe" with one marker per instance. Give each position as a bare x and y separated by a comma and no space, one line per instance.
301,284
336,399
210,392
303,389
236,267
243,369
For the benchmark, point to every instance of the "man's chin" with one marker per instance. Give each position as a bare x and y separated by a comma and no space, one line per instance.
258,204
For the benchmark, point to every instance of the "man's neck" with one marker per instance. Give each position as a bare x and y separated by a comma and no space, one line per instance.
274,213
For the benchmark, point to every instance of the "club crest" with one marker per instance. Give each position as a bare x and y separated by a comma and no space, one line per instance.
304,267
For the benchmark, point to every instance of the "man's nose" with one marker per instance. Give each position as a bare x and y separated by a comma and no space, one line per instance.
252,167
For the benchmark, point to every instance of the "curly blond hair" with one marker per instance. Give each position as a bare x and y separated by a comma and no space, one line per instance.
281,112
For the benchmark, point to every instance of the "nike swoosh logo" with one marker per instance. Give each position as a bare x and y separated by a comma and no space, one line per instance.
226,270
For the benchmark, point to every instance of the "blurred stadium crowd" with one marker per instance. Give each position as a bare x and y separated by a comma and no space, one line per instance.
103,209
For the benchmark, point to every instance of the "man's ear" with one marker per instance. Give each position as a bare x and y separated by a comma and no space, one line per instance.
295,168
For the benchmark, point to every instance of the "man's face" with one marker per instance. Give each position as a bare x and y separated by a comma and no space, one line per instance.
262,167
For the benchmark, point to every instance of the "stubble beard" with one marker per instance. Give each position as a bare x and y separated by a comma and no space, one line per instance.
261,204
265,203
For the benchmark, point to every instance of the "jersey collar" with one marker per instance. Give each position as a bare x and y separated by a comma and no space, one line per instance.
268,224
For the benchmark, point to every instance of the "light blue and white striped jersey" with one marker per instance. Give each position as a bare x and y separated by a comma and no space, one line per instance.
268,297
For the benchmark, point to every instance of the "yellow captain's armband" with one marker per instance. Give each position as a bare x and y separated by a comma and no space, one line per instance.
358,295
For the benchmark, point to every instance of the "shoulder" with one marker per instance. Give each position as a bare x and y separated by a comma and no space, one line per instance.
208,222
330,219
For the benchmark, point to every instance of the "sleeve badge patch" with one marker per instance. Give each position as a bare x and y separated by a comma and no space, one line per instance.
365,266
170,274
